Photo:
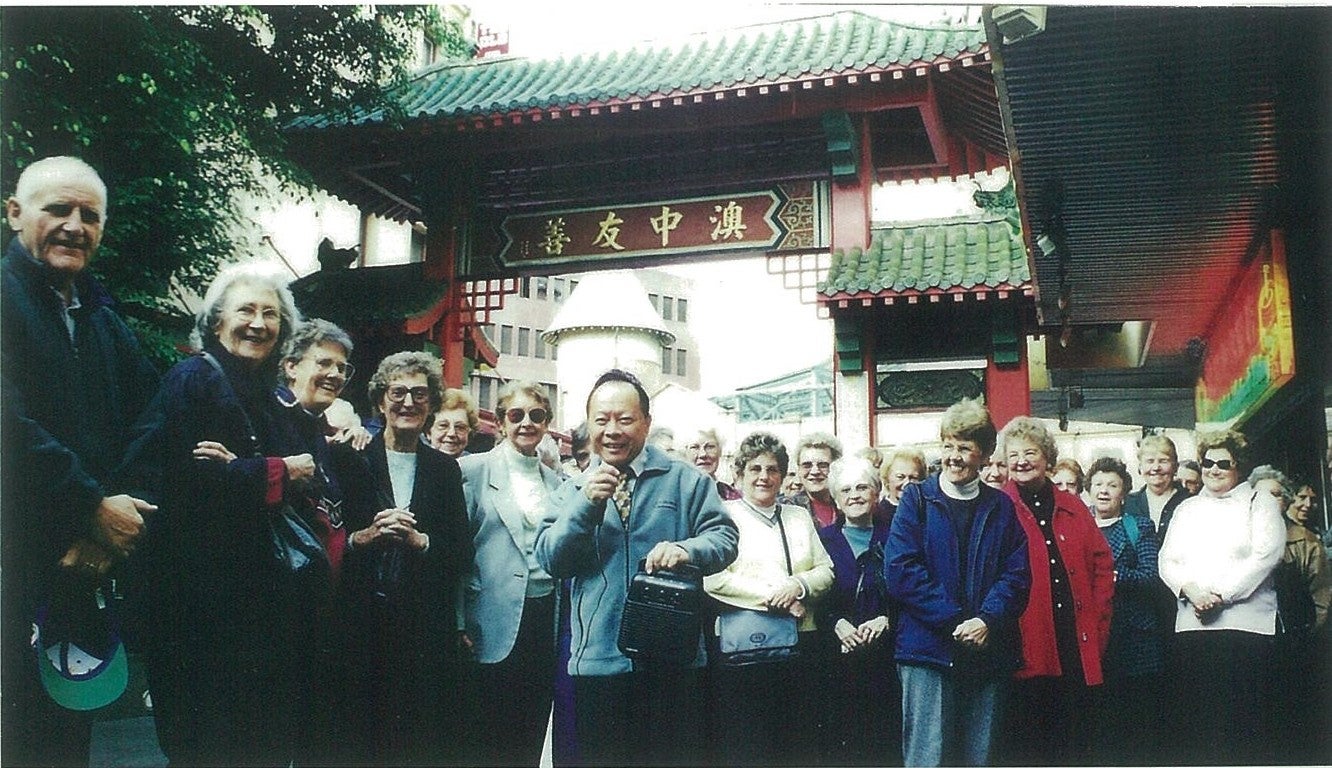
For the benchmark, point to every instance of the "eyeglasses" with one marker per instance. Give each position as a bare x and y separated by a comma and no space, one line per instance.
516,415
700,447
419,394
1225,465
808,465
327,364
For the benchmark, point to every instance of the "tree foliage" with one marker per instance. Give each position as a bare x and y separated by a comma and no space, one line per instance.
181,109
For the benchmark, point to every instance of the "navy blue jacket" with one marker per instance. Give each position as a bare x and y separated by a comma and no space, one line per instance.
923,573
68,408
858,593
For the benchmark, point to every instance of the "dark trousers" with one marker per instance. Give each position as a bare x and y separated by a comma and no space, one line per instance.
1223,702
1128,729
770,713
864,705
1049,722
515,694
640,718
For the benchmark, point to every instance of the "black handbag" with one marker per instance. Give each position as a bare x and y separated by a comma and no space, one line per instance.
661,624
295,548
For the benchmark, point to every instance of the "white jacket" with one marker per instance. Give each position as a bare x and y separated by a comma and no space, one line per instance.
1229,545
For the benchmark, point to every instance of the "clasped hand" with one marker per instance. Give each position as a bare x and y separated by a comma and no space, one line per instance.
854,638
391,527
972,632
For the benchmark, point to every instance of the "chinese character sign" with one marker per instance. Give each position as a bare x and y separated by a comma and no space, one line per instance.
1250,352
746,221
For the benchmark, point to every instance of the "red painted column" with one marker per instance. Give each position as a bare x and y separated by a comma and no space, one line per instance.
1008,388
441,264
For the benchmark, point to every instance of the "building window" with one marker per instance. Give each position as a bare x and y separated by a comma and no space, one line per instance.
680,362
557,290
656,301
485,392
524,341
506,339
682,309
667,307
554,351
539,346
525,287
572,285
539,293
666,358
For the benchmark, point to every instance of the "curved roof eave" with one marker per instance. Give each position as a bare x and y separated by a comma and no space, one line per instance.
846,44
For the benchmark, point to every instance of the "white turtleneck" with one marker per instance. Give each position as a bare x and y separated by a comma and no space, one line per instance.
529,494
964,492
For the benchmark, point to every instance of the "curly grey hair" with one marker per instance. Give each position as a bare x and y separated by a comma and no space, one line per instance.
248,273
405,364
1269,472
756,445
1027,428
819,440
850,471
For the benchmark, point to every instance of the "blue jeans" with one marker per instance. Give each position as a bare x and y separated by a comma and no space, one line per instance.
946,718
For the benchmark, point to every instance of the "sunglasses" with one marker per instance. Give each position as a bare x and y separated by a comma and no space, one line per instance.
516,415
1225,465
419,394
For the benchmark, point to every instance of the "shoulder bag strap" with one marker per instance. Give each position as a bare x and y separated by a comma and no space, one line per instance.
785,547
226,382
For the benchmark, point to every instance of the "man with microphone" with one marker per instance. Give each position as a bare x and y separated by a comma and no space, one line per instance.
633,503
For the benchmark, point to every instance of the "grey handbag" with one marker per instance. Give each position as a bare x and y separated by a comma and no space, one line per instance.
756,637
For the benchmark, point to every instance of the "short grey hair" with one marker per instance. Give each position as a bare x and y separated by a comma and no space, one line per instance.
819,440
856,469
512,389
1269,472
405,364
1027,428
310,333
60,168
248,273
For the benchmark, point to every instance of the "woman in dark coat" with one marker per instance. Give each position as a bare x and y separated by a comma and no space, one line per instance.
865,698
226,630
401,570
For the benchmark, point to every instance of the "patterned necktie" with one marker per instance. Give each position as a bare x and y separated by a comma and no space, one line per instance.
622,497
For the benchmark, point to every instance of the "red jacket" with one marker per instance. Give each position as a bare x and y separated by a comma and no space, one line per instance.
1091,575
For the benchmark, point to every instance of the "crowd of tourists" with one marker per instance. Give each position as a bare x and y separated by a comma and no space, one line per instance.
308,587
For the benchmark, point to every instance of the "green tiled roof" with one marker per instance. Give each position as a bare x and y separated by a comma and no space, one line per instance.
942,256
846,42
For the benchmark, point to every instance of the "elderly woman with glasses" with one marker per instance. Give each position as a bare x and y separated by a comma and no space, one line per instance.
405,560
703,449
1065,627
863,691
767,712
509,600
227,634
1218,558
454,423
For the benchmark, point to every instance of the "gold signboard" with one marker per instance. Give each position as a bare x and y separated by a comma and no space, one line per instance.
785,217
